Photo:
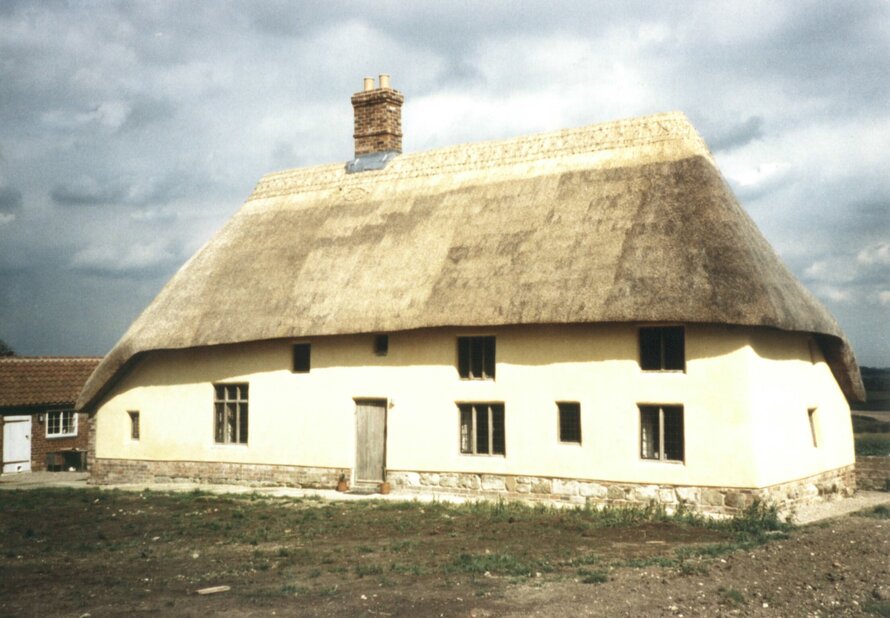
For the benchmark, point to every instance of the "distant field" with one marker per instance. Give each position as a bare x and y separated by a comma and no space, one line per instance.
878,403
871,432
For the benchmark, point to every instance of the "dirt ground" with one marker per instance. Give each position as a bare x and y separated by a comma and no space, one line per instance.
71,552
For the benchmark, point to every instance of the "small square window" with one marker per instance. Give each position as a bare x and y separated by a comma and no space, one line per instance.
475,358
661,433
134,424
569,422
662,348
302,357
381,345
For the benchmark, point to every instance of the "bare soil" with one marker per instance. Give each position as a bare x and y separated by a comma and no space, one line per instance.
84,551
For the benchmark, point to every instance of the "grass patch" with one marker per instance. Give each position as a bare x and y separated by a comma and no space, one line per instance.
494,564
275,547
598,576
366,570
878,608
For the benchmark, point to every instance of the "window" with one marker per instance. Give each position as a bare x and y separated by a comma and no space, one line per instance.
381,345
134,425
230,408
811,413
475,358
482,428
662,348
61,423
569,422
302,357
661,433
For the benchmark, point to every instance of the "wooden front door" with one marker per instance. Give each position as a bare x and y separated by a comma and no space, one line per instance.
370,440
17,444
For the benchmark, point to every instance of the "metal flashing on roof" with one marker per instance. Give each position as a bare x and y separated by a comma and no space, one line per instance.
370,161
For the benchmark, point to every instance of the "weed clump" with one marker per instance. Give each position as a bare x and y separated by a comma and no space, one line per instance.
731,596
882,511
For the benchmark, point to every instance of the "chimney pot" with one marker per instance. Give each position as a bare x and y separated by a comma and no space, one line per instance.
384,80
369,84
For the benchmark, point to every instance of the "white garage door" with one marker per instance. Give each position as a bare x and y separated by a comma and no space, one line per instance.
17,444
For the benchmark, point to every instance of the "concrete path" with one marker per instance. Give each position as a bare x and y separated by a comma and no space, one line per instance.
29,480
836,508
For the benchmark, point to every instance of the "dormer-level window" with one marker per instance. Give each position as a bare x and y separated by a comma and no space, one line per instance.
381,345
475,358
662,348
302,358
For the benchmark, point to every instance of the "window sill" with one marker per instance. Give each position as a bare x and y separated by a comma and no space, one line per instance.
675,462
229,445
680,371
60,436
502,456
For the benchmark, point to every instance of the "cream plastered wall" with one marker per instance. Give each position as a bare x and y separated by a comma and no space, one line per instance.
745,395
789,378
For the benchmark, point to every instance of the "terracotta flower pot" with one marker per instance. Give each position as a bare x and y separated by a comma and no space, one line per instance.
342,485
385,488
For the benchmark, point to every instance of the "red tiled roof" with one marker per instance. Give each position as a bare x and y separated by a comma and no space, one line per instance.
38,380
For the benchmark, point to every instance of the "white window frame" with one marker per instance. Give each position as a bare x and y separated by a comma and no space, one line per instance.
72,426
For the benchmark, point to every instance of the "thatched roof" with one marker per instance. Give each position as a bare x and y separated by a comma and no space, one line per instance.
628,221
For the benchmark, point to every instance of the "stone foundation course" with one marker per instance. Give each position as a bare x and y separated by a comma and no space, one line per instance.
127,471
718,500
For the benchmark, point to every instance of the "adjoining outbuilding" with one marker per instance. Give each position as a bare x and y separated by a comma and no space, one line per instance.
40,428
586,315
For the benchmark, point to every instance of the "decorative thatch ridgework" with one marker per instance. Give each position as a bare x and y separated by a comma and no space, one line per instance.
627,221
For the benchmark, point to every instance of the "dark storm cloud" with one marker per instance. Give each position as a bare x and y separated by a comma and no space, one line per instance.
734,136
10,200
85,194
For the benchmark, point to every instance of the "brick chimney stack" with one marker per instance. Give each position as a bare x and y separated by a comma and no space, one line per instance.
378,118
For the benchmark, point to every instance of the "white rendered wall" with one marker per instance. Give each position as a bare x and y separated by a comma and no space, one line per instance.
745,394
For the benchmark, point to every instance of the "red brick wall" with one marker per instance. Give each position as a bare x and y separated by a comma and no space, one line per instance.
873,473
41,445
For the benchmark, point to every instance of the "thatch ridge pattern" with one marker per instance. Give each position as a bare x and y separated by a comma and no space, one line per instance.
619,134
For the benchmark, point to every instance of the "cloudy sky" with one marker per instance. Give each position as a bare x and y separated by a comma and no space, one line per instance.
130,132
